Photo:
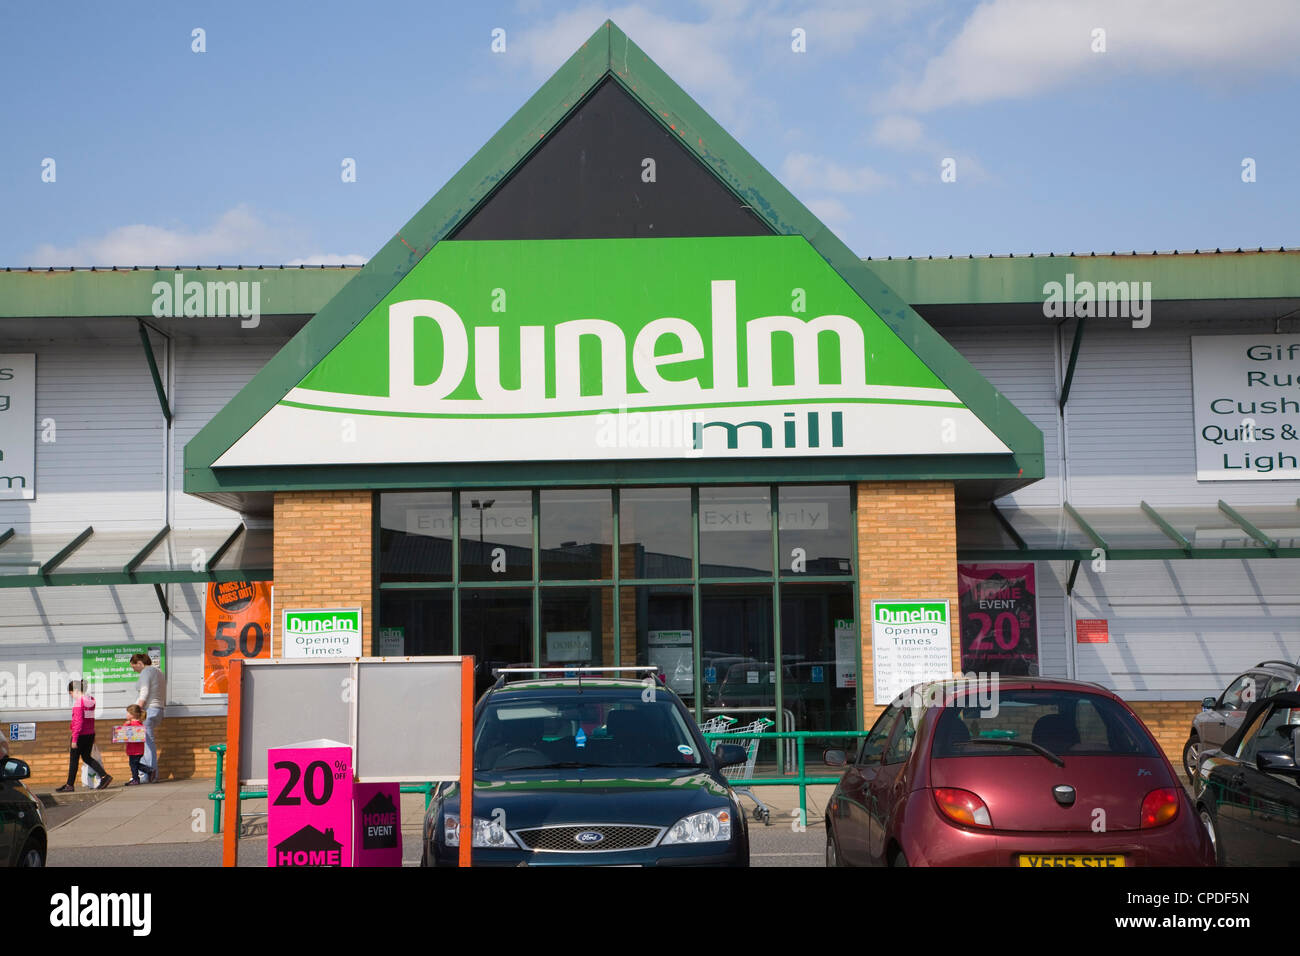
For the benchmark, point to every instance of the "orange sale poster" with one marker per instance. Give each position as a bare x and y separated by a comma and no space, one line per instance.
236,623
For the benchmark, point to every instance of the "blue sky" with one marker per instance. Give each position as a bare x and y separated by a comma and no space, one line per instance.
163,155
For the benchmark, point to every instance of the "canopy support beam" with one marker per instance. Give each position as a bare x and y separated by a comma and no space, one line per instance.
1170,531
162,601
1247,527
1008,527
1074,573
153,370
65,552
1069,368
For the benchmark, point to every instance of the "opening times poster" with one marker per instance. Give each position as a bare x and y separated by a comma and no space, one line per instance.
999,618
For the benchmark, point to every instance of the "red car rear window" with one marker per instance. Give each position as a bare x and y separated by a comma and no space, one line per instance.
1063,722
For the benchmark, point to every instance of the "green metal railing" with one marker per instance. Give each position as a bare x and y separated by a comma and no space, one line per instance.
800,778
218,795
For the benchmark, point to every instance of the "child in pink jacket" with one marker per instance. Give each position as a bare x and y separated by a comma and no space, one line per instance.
83,737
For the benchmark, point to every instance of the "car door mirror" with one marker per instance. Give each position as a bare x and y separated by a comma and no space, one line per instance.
14,769
1208,703
1274,761
730,754
835,758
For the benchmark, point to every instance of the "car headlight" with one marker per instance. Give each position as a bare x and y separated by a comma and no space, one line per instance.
710,826
487,833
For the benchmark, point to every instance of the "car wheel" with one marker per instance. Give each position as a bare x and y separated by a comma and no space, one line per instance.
899,858
1207,820
1192,757
31,855
832,850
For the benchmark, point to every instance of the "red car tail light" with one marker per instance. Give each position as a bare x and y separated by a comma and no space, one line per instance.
1159,807
962,806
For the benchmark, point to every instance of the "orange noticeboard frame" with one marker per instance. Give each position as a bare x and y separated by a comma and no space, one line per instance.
234,714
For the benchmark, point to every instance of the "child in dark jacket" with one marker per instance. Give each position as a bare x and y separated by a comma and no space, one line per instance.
83,737
134,751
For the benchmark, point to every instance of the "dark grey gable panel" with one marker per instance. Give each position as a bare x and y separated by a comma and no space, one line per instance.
586,182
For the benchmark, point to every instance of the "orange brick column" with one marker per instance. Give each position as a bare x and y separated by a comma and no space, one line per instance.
907,550
324,554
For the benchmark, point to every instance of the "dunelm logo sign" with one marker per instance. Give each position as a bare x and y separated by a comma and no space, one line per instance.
582,349
328,632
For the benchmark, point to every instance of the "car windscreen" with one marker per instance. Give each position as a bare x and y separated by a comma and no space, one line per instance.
1063,722
583,730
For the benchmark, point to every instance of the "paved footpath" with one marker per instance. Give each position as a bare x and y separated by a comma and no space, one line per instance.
167,816
135,816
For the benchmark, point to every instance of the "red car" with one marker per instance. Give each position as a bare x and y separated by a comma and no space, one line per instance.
1025,772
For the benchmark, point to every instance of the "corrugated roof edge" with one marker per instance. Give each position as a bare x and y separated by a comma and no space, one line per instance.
237,268
1241,250
1091,255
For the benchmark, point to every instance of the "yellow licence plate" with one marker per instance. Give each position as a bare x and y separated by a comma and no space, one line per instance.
1071,859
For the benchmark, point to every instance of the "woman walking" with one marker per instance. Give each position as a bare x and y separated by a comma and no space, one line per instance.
83,737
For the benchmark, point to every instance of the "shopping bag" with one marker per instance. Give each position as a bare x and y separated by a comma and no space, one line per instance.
89,778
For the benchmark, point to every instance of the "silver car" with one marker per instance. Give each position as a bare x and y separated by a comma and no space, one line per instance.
1220,717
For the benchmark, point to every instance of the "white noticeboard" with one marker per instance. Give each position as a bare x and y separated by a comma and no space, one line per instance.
674,654
846,654
1246,406
18,426
911,642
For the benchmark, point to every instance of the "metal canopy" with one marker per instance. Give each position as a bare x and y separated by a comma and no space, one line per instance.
1144,532
150,556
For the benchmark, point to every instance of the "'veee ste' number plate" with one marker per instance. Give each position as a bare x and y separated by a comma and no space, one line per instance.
1072,859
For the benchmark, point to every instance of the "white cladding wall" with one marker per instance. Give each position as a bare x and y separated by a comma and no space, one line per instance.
1178,630
1181,630
107,469
104,466
1020,362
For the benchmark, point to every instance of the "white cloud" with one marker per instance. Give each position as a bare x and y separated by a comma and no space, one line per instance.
831,211
803,171
238,236
1018,48
708,57
898,132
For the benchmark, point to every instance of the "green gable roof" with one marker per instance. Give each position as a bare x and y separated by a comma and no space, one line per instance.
607,53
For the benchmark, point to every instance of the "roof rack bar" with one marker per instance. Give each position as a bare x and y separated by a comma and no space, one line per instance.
569,670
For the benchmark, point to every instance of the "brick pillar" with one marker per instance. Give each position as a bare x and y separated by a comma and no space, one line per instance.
907,549
324,554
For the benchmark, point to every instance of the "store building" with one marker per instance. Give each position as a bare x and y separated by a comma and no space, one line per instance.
614,396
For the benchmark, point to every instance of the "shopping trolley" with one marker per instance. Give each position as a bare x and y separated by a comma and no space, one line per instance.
745,772
716,725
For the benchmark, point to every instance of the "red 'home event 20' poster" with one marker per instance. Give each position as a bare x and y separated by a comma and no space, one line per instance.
999,618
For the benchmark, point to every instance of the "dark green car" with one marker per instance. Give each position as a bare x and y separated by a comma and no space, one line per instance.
591,770
22,824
